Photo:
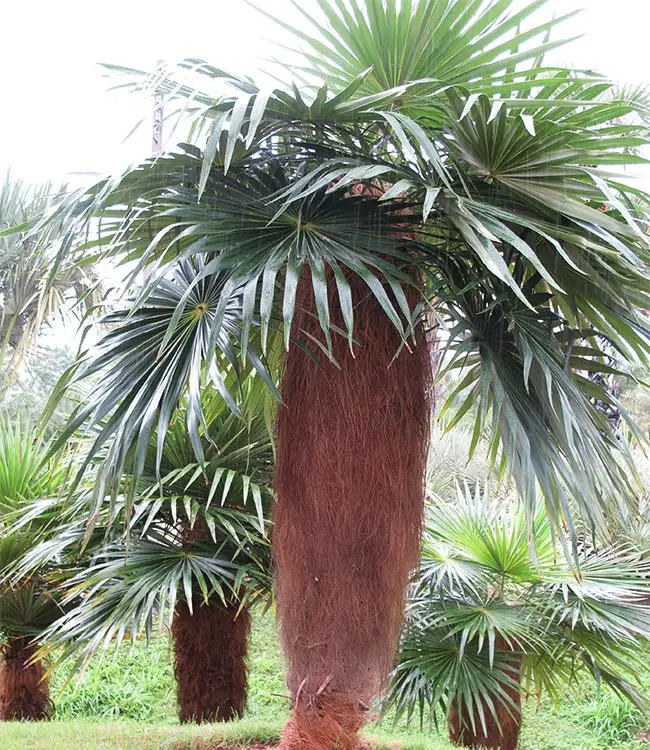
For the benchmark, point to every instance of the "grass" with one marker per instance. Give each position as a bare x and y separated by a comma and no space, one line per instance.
127,702
135,684
126,735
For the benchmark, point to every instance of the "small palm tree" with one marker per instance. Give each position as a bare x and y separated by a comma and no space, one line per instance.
26,610
31,602
501,609
186,544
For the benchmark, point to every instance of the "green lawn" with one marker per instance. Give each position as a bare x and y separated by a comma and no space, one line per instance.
127,701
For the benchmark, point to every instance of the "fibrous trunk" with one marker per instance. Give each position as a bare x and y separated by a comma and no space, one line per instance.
210,648
352,438
24,689
504,733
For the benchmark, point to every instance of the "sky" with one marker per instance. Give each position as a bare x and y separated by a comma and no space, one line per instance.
59,121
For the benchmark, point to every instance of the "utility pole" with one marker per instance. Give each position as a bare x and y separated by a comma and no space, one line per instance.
156,134
158,112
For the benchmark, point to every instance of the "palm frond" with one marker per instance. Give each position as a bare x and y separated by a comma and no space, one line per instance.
461,44
129,588
27,471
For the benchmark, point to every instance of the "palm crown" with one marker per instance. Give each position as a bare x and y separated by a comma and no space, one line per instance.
428,136
30,601
484,593
196,531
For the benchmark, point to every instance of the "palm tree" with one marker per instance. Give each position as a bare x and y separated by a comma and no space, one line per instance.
26,610
426,158
31,295
493,616
31,602
195,553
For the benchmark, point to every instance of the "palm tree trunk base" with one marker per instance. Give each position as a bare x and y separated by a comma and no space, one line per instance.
326,723
210,648
502,732
504,735
24,690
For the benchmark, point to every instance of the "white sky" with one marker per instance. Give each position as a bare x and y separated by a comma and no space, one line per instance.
57,118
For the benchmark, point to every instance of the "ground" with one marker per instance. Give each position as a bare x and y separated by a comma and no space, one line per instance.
127,703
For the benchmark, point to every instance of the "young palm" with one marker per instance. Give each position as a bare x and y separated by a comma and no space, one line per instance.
27,609
31,602
191,550
428,156
492,618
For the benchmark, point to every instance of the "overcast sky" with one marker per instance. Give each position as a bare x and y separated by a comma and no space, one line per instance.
57,117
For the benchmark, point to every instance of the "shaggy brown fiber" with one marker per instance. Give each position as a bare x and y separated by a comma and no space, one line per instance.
210,648
330,722
351,453
503,734
24,691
